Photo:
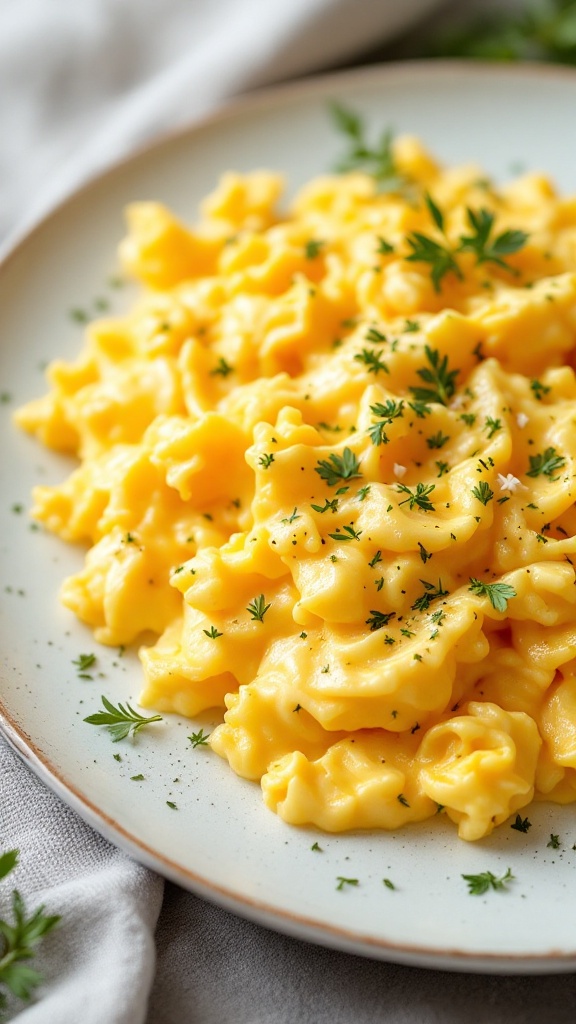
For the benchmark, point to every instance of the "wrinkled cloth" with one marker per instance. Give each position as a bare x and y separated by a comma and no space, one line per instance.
99,962
82,84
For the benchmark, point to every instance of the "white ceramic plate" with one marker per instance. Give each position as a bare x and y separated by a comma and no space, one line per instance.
220,841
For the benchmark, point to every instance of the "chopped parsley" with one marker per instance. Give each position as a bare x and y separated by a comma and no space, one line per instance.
485,249
438,255
338,467
222,369
120,721
258,608
440,379
481,883
419,497
378,160
313,248
546,464
431,593
347,533
372,360
379,619
330,505
212,633
497,593
483,492
345,881
199,739
18,937
521,824
437,440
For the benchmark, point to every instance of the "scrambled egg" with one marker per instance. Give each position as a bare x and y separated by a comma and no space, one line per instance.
328,461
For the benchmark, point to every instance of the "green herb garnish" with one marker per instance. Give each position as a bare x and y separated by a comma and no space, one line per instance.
498,593
521,824
258,608
378,160
483,492
486,250
18,939
545,464
338,467
419,497
199,739
440,379
379,619
120,721
479,884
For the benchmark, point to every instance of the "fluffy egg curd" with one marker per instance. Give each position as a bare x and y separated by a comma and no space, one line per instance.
327,478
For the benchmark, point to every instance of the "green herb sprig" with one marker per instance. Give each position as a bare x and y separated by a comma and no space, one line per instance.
481,883
441,381
485,249
258,608
546,464
18,939
120,721
419,497
497,593
376,160
338,467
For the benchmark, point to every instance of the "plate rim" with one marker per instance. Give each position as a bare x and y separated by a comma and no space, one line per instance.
260,98
259,911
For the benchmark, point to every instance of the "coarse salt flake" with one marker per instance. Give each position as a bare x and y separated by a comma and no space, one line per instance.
510,483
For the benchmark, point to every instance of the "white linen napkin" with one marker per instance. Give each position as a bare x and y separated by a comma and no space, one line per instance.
83,83
99,963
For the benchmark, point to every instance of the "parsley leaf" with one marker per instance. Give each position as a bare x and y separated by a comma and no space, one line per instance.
222,369
338,467
199,739
481,883
431,593
498,593
347,533
438,376
418,497
545,464
440,258
377,160
478,242
328,506
372,360
379,619
427,250
312,248
258,608
212,633
345,881
521,824
18,939
437,440
483,492
389,411
120,721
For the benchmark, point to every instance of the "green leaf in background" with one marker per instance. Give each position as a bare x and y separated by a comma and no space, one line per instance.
545,30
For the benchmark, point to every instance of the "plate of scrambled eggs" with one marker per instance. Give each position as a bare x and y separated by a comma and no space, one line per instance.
293,616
